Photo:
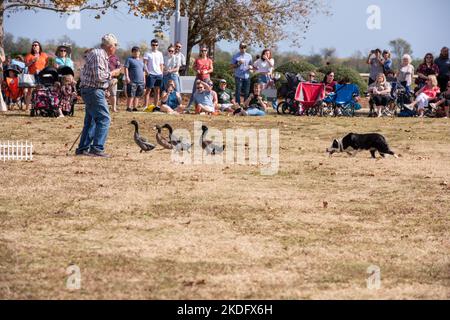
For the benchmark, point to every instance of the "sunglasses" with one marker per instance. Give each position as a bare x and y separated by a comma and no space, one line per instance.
178,47
171,51
62,50
243,47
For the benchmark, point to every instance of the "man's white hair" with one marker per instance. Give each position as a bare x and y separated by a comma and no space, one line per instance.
109,40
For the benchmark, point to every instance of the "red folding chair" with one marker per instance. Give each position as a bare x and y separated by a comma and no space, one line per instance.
309,96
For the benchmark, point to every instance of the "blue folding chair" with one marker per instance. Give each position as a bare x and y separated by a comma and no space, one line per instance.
343,99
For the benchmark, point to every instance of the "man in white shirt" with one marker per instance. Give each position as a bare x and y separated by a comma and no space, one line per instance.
154,66
182,60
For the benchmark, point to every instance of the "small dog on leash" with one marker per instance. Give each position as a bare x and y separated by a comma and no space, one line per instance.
352,143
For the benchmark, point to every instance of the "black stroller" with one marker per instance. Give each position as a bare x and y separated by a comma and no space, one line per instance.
46,96
287,92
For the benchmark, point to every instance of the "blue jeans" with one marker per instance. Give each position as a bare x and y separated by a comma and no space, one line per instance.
96,121
242,85
255,112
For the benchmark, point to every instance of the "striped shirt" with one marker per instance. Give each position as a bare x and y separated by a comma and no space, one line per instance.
95,72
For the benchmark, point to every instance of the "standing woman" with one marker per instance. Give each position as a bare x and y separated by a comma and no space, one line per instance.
172,65
264,67
62,58
3,107
406,73
387,64
427,68
35,61
203,66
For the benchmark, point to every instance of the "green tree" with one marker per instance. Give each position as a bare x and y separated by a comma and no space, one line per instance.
257,22
399,47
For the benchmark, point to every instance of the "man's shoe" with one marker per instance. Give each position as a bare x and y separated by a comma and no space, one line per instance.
98,154
82,153
129,110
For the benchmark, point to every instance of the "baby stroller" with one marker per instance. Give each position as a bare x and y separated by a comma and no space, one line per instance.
45,98
13,93
287,91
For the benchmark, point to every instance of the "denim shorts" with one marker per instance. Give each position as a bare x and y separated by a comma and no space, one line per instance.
135,90
153,81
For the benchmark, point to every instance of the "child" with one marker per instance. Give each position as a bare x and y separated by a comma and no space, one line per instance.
134,78
68,94
11,84
444,99
171,99
55,92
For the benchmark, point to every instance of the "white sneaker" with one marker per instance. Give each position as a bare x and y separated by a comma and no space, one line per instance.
433,105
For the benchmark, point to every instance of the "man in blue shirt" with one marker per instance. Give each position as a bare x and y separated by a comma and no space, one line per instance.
242,64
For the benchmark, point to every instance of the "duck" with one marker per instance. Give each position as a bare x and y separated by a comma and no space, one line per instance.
208,145
141,141
162,141
177,142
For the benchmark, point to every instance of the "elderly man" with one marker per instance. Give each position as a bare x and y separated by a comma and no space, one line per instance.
95,80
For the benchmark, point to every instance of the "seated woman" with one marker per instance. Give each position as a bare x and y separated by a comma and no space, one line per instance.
329,82
427,68
444,100
256,104
380,92
203,98
424,95
171,99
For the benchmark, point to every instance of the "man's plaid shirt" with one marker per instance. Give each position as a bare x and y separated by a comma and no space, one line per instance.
95,72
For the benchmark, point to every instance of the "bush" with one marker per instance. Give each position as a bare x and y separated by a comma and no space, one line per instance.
297,66
222,70
341,72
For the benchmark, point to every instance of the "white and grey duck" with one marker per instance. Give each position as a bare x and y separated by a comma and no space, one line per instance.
177,142
208,145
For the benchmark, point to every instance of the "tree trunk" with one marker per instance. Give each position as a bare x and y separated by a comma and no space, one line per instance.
2,31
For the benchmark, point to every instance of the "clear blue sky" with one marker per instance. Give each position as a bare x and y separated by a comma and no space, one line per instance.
425,24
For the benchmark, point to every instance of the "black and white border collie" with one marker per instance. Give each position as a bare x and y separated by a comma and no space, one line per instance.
352,143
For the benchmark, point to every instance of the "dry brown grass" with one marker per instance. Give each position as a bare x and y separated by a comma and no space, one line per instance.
140,227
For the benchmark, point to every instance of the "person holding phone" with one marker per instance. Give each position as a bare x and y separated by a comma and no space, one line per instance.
264,67
376,62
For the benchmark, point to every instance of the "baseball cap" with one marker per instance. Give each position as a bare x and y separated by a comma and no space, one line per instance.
222,81
110,40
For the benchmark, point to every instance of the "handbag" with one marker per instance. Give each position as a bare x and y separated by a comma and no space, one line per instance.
27,80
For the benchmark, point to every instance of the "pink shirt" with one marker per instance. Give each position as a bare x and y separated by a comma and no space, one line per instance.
203,65
432,93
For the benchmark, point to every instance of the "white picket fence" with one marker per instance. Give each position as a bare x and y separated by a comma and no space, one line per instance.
16,150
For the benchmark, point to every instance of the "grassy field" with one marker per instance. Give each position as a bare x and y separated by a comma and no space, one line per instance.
141,227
